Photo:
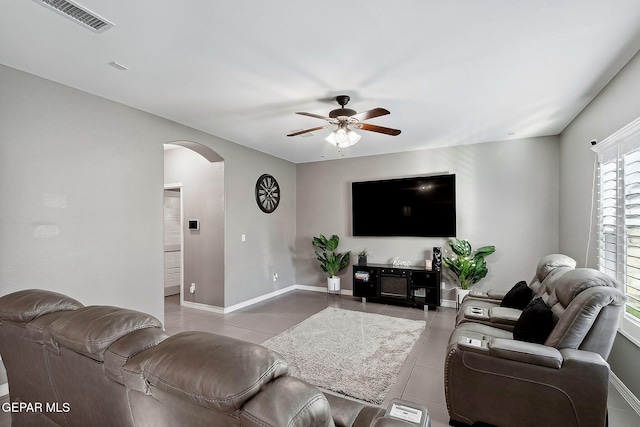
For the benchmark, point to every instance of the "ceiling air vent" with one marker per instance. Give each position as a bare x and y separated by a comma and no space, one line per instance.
78,14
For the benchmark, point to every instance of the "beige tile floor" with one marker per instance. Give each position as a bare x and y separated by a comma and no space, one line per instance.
421,378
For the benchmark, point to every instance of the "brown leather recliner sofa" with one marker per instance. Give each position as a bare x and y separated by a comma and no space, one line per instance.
70,365
560,380
487,308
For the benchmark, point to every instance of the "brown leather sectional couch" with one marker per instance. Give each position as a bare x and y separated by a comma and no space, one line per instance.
71,365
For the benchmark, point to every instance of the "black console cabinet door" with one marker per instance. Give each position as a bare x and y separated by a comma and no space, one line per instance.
430,281
365,288
424,279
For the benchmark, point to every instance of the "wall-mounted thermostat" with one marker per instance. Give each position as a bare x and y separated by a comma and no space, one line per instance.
194,224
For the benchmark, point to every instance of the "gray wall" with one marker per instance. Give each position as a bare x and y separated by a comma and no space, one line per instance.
270,238
202,199
507,196
614,107
82,185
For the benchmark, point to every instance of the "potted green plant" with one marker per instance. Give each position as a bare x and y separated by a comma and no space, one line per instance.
331,261
362,257
469,266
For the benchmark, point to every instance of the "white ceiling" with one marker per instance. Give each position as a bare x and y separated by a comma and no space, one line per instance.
450,71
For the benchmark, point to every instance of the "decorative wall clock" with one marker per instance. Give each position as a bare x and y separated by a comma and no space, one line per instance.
267,193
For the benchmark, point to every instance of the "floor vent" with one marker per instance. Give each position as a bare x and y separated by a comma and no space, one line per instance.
78,14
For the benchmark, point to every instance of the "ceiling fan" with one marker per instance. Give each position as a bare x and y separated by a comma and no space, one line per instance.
343,118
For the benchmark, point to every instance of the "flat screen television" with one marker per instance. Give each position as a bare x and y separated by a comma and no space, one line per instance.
423,206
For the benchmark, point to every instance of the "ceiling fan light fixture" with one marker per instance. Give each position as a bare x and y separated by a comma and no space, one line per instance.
353,137
331,139
343,137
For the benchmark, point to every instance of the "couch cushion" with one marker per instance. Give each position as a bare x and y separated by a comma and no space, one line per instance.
518,296
26,305
38,329
121,351
91,330
592,311
535,323
214,371
550,262
576,281
287,401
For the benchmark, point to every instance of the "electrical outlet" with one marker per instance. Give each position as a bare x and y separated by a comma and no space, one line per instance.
275,277
192,288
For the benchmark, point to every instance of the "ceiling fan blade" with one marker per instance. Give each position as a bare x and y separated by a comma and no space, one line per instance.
370,114
308,130
379,129
317,116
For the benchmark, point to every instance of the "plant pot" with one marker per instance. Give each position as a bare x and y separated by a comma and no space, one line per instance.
460,294
333,284
362,260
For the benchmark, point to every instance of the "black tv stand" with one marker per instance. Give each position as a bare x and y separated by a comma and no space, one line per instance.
410,286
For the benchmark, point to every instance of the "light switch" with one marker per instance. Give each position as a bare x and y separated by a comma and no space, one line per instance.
244,237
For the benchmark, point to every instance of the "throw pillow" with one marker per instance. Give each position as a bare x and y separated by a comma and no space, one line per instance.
535,323
518,297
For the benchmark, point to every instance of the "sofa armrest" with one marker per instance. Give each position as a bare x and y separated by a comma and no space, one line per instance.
500,317
580,357
391,422
476,313
348,413
477,294
404,413
497,294
287,401
526,352
491,294
504,315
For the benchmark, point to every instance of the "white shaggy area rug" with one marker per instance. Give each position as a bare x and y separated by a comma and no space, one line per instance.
350,352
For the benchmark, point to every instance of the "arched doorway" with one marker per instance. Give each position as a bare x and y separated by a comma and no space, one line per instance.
194,243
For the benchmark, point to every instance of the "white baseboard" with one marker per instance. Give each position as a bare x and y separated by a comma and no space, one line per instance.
203,307
232,308
259,299
626,394
323,289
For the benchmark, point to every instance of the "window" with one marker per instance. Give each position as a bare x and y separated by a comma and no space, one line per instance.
619,218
